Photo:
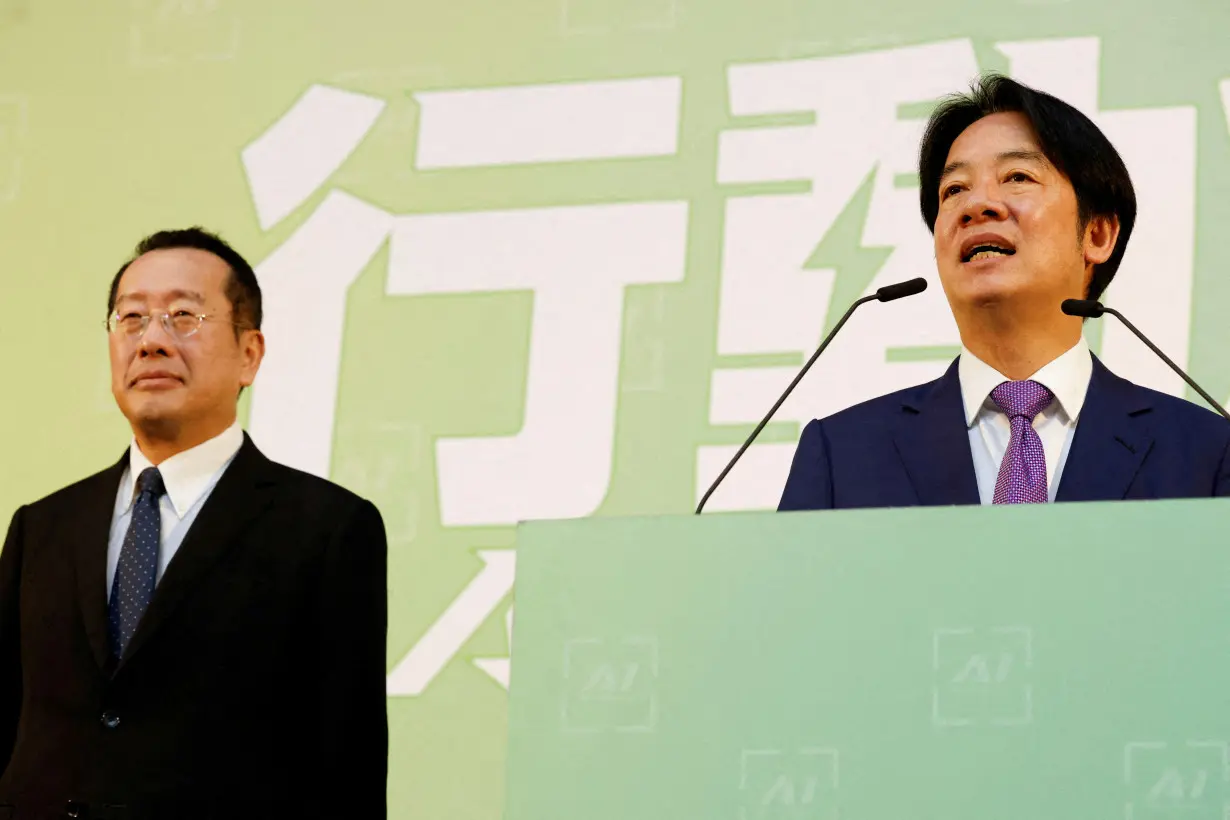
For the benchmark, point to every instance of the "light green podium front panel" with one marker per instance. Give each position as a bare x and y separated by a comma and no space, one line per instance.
1029,663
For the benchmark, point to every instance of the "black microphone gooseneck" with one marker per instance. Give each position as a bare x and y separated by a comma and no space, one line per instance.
885,294
1092,309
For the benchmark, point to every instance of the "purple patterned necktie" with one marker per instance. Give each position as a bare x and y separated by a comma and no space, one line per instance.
1022,474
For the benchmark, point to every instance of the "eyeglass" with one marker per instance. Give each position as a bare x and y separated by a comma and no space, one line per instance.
181,323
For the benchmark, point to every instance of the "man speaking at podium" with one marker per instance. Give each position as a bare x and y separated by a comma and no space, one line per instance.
1030,205
196,631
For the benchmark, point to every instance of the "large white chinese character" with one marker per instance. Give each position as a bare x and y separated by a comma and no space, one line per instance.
785,260
576,261
775,287
1154,284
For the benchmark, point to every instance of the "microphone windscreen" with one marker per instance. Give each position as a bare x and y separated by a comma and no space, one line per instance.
1088,308
902,289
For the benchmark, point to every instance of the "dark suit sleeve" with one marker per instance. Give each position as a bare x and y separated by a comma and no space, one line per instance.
10,640
353,740
810,484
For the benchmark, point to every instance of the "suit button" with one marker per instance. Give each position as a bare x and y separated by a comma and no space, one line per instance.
110,719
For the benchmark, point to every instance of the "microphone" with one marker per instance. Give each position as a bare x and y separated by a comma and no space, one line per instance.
888,293
1092,309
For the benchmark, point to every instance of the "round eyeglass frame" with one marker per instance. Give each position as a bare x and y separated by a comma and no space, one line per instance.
166,319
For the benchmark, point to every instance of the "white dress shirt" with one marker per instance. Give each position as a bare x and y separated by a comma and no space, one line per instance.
1067,377
189,477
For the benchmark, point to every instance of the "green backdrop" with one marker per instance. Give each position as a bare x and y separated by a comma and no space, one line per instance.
550,258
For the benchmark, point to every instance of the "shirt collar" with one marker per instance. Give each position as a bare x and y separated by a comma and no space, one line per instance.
1067,377
186,475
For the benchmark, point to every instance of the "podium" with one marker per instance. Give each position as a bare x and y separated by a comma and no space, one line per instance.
998,663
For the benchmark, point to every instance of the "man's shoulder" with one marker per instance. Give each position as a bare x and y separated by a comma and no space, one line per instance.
105,480
311,485
883,409
317,506
1173,413
309,491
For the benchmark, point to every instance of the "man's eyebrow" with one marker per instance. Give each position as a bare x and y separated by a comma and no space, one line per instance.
1032,156
175,294
951,167
1020,153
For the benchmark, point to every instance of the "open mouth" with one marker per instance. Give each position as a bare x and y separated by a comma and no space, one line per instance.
986,251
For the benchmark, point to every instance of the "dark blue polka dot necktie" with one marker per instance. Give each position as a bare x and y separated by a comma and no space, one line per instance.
133,586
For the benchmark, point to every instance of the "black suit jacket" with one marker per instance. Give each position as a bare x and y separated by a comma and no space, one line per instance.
911,448
254,685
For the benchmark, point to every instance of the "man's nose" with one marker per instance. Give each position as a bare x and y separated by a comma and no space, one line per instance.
983,204
155,340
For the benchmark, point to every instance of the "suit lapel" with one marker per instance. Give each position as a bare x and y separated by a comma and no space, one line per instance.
933,443
89,533
1110,443
241,494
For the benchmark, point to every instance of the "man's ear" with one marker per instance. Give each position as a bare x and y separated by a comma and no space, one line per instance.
1101,236
252,348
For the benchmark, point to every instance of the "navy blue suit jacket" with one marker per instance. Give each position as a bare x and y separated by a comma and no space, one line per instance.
911,448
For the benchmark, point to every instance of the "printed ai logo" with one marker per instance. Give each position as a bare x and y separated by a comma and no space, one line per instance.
1188,780
983,677
780,784
167,32
610,685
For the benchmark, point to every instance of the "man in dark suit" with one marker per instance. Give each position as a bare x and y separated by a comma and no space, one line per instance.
1030,205
195,631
